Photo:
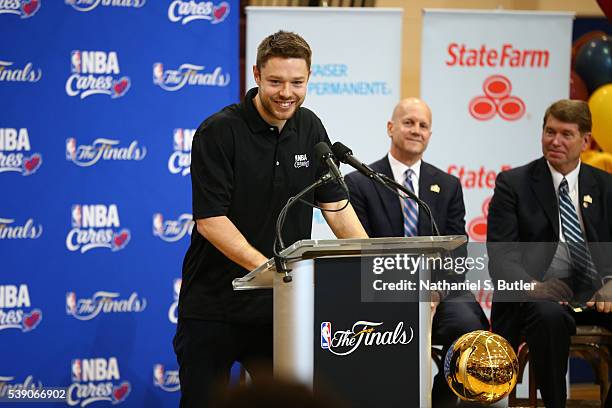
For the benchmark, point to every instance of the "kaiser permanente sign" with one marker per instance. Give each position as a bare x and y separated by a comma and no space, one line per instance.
488,77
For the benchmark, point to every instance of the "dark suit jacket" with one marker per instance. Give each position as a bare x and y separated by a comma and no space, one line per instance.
524,208
380,212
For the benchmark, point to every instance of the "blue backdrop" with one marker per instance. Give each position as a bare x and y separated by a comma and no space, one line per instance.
99,100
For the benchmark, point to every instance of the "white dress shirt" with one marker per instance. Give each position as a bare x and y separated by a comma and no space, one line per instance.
399,169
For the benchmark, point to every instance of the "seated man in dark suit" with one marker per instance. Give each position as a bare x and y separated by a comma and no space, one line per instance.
383,214
566,204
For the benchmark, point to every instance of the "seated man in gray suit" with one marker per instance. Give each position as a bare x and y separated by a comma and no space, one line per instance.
383,214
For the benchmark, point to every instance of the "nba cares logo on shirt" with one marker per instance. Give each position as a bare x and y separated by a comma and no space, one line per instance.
497,101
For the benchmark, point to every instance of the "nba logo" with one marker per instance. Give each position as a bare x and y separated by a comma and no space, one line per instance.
179,139
76,216
158,224
76,370
158,374
70,148
158,73
75,61
70,303
325,335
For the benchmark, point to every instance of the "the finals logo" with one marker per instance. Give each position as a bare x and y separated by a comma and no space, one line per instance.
103,302
103,149
89,5
95,73
188,75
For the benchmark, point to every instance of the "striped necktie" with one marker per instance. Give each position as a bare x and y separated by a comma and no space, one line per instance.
410,209
584,276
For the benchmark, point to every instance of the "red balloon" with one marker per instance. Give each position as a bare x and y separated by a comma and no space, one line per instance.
606,7
578,89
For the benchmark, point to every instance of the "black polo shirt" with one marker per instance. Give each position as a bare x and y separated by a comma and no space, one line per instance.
241,167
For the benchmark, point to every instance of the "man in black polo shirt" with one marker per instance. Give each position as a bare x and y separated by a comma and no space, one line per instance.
247,160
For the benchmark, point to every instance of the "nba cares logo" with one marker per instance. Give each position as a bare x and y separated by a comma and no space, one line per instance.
497,100
186,11
23,8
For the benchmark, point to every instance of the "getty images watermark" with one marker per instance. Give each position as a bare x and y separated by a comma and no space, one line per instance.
505,270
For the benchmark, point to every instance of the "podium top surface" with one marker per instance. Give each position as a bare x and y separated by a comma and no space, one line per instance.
261,277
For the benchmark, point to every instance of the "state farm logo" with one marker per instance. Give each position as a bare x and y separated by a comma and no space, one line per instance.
103,302
497,100
8,73
96,226
16,309
172,230
188,11
179,161
15,152
96,72
188,75
96,379
167,380
88,5
173,310
362,333
477,228
87,155
22,8
8,383
9,229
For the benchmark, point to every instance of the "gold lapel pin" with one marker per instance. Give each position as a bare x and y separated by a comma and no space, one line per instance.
586,200
435,188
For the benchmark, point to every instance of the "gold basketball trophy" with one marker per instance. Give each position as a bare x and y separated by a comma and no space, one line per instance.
481,366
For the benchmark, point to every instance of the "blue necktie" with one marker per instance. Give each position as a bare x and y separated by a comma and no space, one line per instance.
410,209
585,276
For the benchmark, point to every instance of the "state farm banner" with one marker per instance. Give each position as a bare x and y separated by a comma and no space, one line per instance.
355,80
488,77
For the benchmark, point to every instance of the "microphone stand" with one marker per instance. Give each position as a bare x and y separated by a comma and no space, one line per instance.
279,261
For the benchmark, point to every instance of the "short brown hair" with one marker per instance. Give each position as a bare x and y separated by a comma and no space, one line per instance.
571,111
285,45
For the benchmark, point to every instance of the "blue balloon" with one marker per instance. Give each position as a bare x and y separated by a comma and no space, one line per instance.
594,62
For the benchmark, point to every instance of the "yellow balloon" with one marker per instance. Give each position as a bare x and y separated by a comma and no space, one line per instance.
601,160
481,366
601,111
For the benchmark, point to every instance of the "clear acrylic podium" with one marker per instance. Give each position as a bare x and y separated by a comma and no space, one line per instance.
326,294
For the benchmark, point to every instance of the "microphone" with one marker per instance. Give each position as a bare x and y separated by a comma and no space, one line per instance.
345,155
323,152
